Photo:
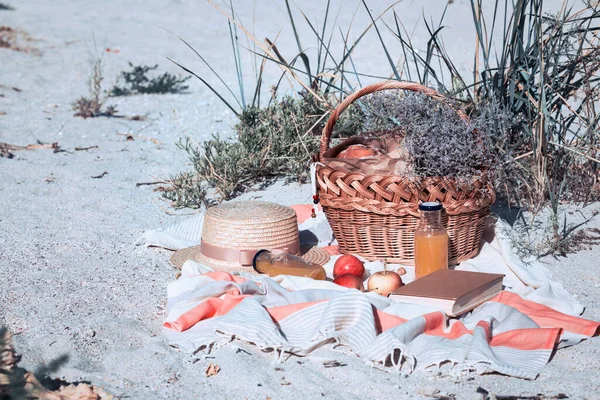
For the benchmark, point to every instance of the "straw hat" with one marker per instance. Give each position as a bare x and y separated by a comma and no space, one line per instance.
233,232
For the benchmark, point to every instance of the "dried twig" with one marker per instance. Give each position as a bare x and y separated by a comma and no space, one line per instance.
16,89
99,176
6,149
85,148
151,183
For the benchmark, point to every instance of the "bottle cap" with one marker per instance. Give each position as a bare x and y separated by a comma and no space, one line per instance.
256,257
430,206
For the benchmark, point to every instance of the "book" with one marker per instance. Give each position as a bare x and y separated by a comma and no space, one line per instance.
454,292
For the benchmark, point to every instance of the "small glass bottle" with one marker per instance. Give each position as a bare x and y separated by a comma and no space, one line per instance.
271,264
431,241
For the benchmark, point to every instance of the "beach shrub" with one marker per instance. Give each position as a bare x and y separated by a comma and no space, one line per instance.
282,137
138,81
273,141
186,189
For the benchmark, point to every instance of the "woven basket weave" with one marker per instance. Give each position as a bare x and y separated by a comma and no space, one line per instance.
376,216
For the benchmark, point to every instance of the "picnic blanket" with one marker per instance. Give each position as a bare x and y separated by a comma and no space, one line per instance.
515,333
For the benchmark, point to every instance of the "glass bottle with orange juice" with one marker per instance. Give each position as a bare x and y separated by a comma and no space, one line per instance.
431,240
271,264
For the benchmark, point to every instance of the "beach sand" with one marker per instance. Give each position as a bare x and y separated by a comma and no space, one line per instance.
85,299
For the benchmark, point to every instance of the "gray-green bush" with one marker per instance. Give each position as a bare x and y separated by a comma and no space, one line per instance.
274,141
138,81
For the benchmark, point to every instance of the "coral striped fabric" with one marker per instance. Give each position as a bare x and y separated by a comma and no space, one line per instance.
514,334
509,334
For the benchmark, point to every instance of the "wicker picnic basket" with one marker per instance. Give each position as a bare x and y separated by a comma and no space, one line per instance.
376,215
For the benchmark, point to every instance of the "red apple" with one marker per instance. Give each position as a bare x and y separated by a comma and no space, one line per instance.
384,282
350,281
348,264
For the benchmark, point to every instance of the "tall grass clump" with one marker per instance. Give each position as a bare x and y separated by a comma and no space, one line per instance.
548,72
92,105
273,138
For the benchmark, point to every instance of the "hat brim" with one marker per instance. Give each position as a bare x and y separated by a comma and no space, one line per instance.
311,254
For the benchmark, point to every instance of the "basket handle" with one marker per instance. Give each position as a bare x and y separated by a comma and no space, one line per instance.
376,87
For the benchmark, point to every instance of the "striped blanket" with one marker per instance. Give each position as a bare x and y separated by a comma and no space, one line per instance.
515,333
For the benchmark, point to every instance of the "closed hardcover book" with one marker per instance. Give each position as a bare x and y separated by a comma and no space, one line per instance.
454,292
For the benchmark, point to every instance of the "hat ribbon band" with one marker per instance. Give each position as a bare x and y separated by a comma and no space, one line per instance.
244,257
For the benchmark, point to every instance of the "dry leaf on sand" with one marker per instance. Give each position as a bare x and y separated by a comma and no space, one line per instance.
79,391
212,369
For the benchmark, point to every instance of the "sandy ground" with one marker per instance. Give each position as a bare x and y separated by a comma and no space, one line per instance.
73,283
